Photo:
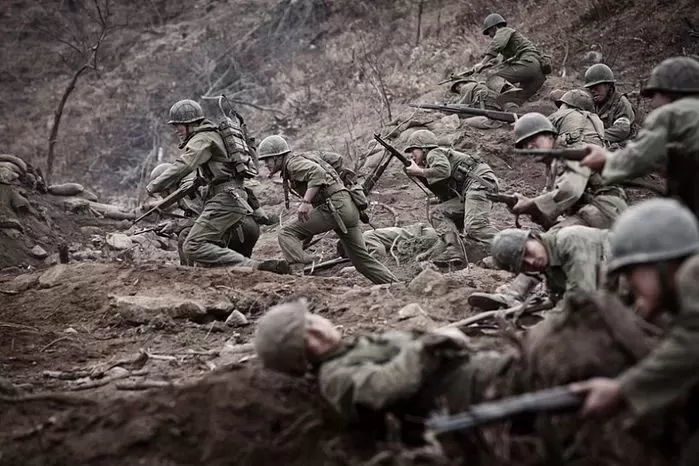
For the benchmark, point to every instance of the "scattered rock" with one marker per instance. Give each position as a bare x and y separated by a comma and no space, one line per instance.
66,189
52,259
119,241
52,276
70,330
429,282
23,282
237,319
89,195
411,310
451,122
39,252
143,309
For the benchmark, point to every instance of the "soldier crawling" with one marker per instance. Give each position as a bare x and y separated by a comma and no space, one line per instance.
460,181
226,204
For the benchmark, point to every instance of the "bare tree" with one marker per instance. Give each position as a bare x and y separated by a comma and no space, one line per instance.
81,33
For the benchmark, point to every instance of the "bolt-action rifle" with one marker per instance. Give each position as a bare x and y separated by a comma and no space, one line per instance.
508,199
552,400
186,189
371,181
461,109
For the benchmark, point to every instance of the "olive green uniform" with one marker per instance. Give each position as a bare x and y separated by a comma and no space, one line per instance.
380,241
618,117
477,94
670,370
225,204
522,66
403,371
315,169
576,126
453,177
576,255
672,123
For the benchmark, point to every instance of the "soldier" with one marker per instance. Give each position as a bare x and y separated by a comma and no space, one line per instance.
613,108
577,193
326,205
570,258
669,138
225,204
523,65
655,245
380,241
477,94
575,120
404,372
460,181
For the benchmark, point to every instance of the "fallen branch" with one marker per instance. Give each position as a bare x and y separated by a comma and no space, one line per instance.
520,310
108,380
54,342
58,397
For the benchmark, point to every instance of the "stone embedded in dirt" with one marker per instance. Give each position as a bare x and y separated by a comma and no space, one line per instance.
119,241
52,276
66,189
409,311
38,252
23,282
143,309
70,330
89,195
237,319
429,282
451,122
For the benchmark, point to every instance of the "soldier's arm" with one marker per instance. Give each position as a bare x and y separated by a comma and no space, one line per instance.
623,119
569,187
352,388
497,44
437,167
672,368
196,152
644,154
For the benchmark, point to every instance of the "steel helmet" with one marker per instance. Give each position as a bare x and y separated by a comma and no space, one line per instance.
184,112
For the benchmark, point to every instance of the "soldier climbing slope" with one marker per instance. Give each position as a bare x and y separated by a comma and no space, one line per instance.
669,139
524,64
461,182
326,204
225,203
613,108
655,245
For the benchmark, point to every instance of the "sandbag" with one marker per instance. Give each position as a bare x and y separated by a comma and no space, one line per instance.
66,189
89,195
19,163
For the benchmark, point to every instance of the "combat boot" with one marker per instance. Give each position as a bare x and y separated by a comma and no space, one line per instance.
450,256
505,296
275,266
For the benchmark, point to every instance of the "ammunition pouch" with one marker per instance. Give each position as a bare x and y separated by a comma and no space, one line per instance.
239,152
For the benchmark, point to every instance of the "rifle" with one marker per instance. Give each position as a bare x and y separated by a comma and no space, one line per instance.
309,269
465,74
546,155
551,400
184,190
508,199
461,109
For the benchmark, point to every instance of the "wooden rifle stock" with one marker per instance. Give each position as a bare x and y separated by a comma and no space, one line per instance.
461,109
549,154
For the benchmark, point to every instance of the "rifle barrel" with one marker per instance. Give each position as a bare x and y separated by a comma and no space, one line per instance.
558,399
461,109
565,154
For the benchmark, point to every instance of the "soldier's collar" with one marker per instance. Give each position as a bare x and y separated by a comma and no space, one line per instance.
548,240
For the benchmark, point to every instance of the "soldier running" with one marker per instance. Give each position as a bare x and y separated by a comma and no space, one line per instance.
460,181
226,202
326,205
655,245
613,108
669,139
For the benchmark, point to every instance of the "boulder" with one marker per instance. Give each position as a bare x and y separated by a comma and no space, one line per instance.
429,282
52,276
119,241
143,309
38,252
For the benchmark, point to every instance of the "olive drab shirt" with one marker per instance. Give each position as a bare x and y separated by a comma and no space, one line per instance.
314,169
672,123
378,371
448,170
512,45
577,126
476,94
618,117
576,254
204,152
672,368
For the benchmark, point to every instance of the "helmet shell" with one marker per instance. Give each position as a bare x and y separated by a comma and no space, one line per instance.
184,112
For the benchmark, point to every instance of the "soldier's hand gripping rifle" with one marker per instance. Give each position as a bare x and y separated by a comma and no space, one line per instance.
186,189
369,183
552,400
465,74
461,109
510,200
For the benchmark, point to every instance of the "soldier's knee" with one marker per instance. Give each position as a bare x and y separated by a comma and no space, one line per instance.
191,248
